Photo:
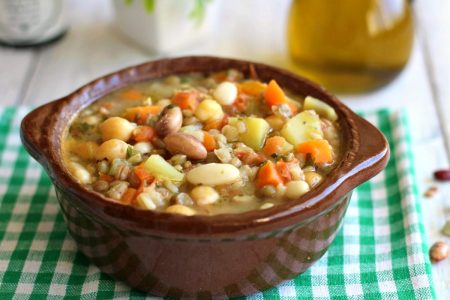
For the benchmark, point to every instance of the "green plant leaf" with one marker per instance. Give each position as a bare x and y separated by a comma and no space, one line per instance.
198,11
128,2
149,6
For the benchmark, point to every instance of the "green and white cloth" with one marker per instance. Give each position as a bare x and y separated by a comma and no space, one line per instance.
379,253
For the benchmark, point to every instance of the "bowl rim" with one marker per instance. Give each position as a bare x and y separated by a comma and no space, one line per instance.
365,153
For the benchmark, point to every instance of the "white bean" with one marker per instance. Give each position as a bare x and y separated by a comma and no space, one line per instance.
296,188
80,172
213,174
266,205
145,201
226,93
180,209
112,149
204,195
116,128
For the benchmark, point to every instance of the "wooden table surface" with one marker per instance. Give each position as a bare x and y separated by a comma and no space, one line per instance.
93,47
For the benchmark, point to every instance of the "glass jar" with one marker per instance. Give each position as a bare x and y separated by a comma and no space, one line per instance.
350,45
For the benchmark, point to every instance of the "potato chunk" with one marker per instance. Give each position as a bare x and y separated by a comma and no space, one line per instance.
303,127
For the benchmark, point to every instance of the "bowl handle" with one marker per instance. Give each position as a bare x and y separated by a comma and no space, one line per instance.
35,130
372,152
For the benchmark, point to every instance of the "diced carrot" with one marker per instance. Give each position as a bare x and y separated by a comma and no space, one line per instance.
144,133
292,107
140,114
273,145
186,100
106,177
268,175
132,95
216,123
208,141
274,95
283,170
319,150
252,87
129,195
142,173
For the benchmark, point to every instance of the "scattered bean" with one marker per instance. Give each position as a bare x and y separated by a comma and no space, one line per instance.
442,175
430,192
439,251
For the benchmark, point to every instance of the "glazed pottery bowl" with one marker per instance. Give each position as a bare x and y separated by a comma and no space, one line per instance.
203,256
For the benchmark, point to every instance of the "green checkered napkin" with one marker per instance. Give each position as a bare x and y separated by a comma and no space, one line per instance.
380,252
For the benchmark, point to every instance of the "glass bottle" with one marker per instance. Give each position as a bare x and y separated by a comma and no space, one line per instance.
27,23
350,45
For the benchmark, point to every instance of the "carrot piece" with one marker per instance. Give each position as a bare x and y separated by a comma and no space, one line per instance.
283,170
144,133
273,145
186,100
129,195
268,175
142,173
132,95
106,177
274,95
140,114
252,87
319,150
208,141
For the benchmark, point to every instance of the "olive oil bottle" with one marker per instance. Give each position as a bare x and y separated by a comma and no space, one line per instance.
350,45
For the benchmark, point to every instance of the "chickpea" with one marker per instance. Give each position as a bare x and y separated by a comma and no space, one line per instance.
85,150
116,128
226,93
112,149
296,188
313,178
204,195
180,209
209,110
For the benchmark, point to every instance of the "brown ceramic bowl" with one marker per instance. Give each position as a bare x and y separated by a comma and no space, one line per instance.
203,256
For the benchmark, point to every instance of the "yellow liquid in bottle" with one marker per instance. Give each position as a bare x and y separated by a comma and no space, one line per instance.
350,45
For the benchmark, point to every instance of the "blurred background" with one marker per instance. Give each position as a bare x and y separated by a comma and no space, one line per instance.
374,53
